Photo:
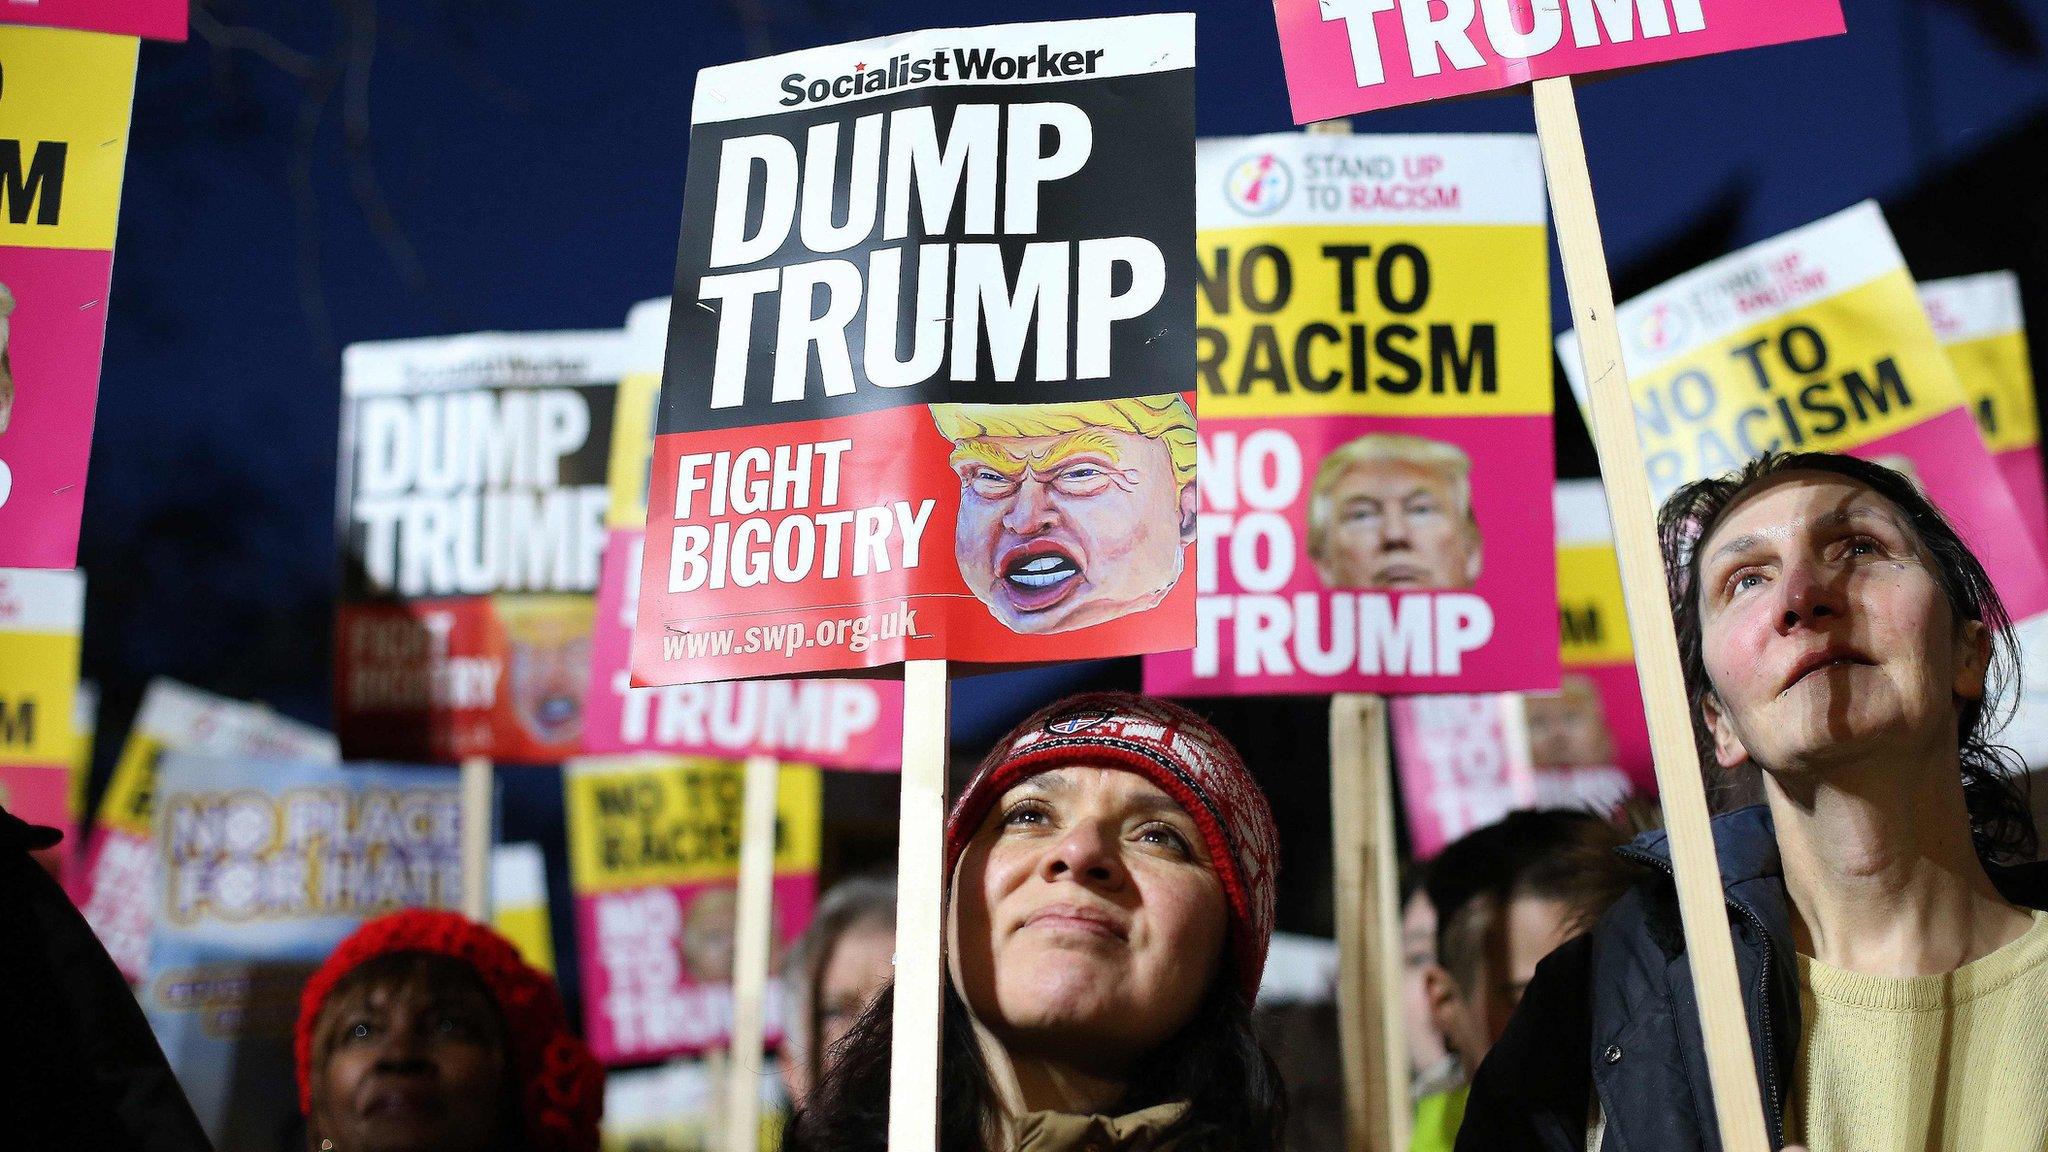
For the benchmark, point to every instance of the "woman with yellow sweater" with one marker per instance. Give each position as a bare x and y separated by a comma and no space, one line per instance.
1844,655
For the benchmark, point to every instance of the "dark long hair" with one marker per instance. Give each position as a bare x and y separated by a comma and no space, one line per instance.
1234,1095
2001,822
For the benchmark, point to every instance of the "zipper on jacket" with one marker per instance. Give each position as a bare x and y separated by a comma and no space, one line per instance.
1774,1115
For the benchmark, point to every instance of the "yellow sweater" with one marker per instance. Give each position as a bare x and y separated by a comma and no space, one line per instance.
1949,1063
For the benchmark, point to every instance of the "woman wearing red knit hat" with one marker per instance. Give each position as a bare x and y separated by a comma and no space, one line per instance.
1112,890
425,1032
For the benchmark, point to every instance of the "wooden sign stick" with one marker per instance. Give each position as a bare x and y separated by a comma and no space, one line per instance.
756,901
920,912
1709,949
477,818
1374,1050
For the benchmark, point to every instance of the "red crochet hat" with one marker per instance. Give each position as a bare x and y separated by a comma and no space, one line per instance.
1178,751
561,1085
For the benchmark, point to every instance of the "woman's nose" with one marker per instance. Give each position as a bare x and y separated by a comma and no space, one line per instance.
1809,592
1088,854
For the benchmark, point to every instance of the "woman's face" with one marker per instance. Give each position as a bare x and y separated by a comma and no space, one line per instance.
412,1066
1825,631
1089,918
862,963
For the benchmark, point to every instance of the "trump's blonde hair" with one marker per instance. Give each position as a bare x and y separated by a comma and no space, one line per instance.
1166,418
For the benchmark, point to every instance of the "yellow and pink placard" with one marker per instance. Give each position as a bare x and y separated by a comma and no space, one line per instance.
1349,56
1816,341
1979,323
1373,365
41,614
654,849
64,111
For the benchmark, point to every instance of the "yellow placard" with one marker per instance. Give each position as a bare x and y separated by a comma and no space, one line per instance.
1591,614
64,109
528,930
632,449
130,799
38,680
1372,321
1999,381
1828,377
677,821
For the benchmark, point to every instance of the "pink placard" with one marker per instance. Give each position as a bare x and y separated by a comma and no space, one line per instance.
845,724
657,963
1465,762
53,356
1945,457
1266,621
2021,468
155,19
1349,56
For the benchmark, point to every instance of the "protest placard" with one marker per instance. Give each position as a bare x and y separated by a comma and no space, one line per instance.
114,888
1347,56
1373,358
1463,762
654,852
64,112
1982,328
672,1108
262,866
982,453
155,19
472,526
848,724
41,614
519,902
1815,341
1595,718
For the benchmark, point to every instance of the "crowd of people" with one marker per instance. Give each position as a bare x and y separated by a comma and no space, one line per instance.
1113,870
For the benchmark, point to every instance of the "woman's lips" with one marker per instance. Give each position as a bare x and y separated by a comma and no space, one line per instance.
412,1101
1076,919
1821,661
1038,575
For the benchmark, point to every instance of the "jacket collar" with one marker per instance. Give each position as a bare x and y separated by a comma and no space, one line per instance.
1746,846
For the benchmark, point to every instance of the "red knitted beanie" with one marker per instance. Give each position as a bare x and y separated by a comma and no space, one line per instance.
561,1085
1178,751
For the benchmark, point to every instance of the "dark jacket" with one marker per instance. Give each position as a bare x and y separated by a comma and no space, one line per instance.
1613,1012
79,1067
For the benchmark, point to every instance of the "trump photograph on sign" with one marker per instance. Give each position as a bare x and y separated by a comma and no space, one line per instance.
1072,515
1394,511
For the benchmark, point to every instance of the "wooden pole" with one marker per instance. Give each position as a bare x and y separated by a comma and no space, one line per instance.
1709,949
742,1119
477,817
1374,1051
920,912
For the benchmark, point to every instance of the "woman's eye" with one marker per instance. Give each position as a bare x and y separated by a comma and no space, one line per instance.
453,1026
1744,581
360,1030
1024,814
1166,837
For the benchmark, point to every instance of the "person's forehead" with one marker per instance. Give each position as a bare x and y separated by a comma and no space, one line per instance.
1795,503
1087,780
